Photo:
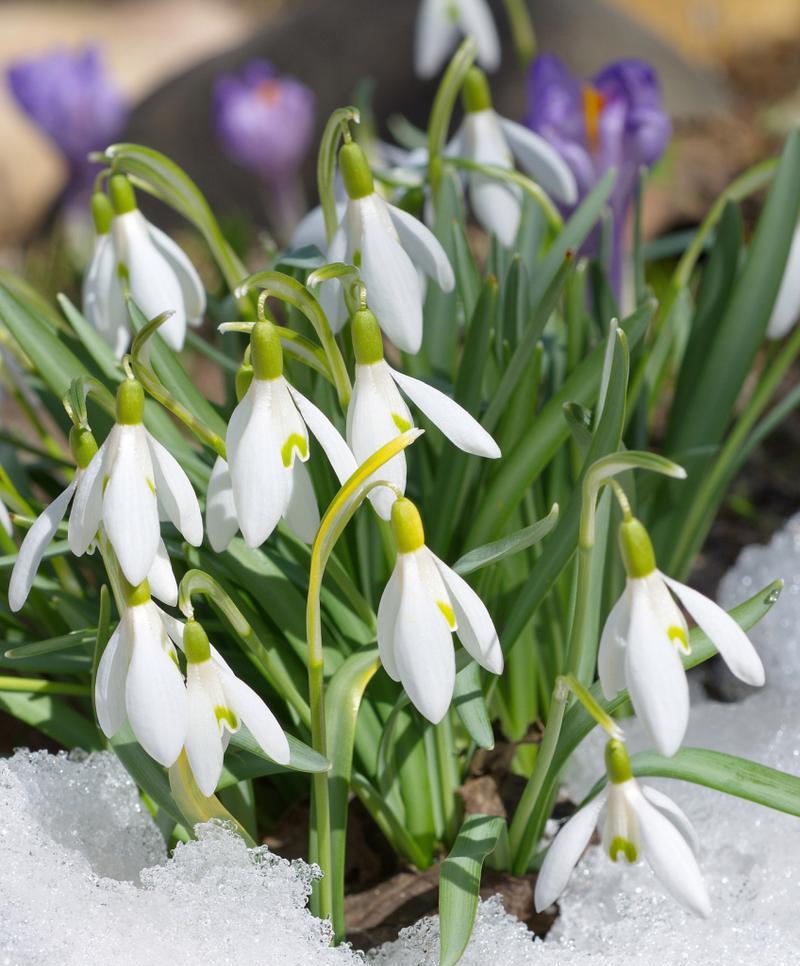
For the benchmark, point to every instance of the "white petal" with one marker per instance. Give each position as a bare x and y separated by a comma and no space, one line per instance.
786,310
161,578
423,645
497,205
330,293
477,22
393,289
311,228
203,739
109,685
327,435
423,248
611,654
103,304
33,547
5,519
155,695
260,480
175,493
541,161
221,520
302,513
671,857
655,676
387,620
676,815
261,722
436,35
87,507
476,629
152,282
130,512
724,633
289,424
194,295
458,426
564,853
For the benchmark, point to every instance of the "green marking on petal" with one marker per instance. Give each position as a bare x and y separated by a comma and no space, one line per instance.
151,484
402,424
678,636
448,612
357,258
295,441
226,716
620,844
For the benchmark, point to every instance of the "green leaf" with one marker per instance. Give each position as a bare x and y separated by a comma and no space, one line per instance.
491,553
470,704
53,717
460,882
97,347
245,758
37,648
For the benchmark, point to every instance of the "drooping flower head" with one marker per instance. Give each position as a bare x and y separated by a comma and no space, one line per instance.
264,120
70,96
440,26
615,120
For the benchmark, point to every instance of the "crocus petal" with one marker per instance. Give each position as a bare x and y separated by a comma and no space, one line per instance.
194,295
175,493
671,857
203,741
477,22
611,654
423,248
655,676
327,435
221,520
564,852
130,512
724,633
436,35
476,629
87,507
155,696
33,547
261,722
423,645
676,815
161,578
109,685
541,161
458,426
393,287
302,512
387,620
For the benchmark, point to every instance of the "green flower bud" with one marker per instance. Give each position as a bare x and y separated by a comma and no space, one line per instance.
636,548
407,528
122,194
367,341
83,446
266,353
618,765
355,170
195,643
130,402
102,213
475,93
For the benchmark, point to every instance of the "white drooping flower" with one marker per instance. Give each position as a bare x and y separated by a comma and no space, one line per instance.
129,481
139,679
645,635
5,518
786,310
487,138
218,704
265,477
640,822
423,604
378,413
440,25
387,246
159,276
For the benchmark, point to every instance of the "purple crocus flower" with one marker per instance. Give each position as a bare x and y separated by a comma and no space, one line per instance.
614,120
69,95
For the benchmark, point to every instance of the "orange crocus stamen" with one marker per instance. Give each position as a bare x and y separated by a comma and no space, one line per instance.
593,104
269,91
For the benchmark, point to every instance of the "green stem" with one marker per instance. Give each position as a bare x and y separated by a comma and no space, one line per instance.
41,686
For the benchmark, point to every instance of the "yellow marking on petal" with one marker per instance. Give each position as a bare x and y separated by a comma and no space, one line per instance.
678,636
174,657
402,424
226,716
593,104
151,484
295,441
619,844
448,612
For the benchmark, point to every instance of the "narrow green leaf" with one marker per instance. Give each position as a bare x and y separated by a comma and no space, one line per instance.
245,758
53,717
95,344
470,705
491,553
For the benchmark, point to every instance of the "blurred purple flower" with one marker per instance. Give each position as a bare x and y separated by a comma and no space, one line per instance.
614,120
264,121
72,99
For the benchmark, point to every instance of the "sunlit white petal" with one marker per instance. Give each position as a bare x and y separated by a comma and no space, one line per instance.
221,521
541,161
302,512
387,620
611,654
476,630
564,853
327,435
203,741
423,247
87,507
260,721
109,686
194,295
161,578
175,493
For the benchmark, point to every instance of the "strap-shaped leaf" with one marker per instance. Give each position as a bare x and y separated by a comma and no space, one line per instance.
498,550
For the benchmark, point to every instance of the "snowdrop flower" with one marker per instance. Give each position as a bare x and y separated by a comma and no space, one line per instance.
385,244
786,310
218,704
487,138
265,478
103,302
130,479
646,634
640,822
139,678
439,25
422,605
377,412
159,276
